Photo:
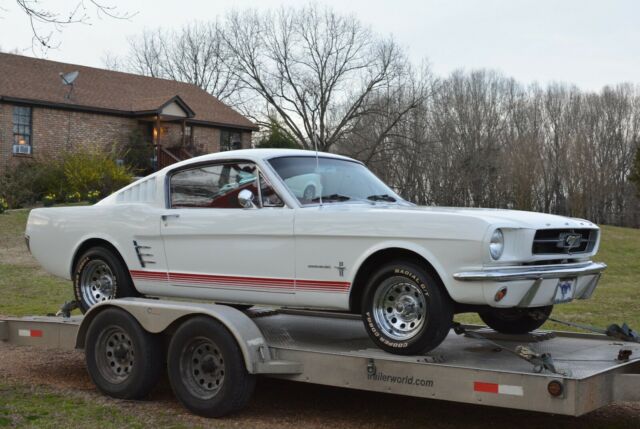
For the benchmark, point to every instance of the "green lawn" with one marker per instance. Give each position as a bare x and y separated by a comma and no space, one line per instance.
36,407
26,289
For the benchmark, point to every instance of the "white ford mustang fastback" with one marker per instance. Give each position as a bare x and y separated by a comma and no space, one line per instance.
226,227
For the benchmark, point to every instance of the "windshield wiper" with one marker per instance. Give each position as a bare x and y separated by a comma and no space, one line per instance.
382,197
332,197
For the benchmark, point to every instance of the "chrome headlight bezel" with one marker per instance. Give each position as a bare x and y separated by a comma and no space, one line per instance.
496,244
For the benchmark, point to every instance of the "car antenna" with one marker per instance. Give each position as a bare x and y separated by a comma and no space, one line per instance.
315,146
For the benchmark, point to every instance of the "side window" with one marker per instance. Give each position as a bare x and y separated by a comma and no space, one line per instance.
22,130
213,186
268,194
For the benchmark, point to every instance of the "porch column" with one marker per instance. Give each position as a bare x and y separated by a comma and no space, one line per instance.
184,136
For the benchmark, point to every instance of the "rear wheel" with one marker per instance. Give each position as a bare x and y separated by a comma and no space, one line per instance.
206,369
405,310
100,275
516,320
124,361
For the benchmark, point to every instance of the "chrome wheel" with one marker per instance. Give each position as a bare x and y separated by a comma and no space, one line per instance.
97,282
115,355
202,368
399,308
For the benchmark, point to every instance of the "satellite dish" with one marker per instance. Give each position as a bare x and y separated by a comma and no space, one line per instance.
68,78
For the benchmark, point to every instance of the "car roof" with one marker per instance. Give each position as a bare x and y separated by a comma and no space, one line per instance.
254,155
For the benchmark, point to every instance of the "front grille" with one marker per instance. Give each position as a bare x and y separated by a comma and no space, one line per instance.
564,241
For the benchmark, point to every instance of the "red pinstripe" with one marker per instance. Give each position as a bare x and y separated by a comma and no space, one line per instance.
236,281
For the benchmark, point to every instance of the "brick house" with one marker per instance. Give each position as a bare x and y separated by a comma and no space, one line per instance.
41,116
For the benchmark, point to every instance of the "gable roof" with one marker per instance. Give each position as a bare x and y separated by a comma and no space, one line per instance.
38,81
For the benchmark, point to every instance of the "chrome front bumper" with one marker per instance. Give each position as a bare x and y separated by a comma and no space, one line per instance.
534,286
505,274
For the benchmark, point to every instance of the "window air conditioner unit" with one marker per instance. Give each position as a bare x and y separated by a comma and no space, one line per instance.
23,149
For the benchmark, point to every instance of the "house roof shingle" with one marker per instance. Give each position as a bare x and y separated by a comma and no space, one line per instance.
38,80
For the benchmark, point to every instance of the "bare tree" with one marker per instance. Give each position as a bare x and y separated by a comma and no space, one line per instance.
195,54
315,69
47,21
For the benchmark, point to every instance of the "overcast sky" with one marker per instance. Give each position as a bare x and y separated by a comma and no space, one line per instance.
589,43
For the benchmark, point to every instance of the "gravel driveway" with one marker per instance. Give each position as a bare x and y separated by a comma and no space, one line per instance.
278,404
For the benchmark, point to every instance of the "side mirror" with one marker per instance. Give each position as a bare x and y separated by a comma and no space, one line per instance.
245,199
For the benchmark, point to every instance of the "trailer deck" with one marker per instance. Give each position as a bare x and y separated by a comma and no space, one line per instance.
334,349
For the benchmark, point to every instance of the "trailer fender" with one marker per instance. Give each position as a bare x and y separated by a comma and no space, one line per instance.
156,316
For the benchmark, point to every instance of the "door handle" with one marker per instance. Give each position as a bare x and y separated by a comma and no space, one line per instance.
168,216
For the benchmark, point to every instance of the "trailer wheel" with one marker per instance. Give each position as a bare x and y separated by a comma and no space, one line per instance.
404,309
516,321
124,361
206,369
98,276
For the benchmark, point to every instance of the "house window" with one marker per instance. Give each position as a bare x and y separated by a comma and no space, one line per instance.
22,130
230,140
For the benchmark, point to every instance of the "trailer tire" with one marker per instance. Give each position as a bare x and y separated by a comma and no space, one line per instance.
123,360
405,310
206,368
516,321
98,276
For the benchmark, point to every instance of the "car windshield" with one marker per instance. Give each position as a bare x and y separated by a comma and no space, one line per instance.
330,180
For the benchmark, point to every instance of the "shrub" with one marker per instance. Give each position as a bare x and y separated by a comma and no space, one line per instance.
74,197
3,205
93,196
16,184
277,137
49,199
138,154
83,171
94,170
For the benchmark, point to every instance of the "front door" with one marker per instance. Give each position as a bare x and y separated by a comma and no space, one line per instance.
218,250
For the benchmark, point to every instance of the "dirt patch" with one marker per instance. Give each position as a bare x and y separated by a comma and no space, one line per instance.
278,404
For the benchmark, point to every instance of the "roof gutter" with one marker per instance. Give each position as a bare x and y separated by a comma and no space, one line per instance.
115,112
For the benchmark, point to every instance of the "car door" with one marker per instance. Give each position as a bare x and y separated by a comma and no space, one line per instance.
216,249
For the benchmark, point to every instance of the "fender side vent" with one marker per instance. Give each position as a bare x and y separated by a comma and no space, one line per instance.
143,255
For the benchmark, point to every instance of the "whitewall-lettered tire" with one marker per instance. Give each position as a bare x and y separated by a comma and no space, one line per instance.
98,276
405,310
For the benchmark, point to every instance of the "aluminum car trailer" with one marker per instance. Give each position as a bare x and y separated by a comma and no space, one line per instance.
552,372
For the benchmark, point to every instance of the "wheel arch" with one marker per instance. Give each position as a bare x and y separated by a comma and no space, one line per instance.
89,242
163,317
387,253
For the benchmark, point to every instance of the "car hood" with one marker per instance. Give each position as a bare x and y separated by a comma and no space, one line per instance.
499,217
509,218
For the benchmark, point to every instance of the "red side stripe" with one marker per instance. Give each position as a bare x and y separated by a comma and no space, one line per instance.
262,282
36,333
480,386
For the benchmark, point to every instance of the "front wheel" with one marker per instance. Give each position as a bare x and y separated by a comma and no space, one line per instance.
405,310
515,321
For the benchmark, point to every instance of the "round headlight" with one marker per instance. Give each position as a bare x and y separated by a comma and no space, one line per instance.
496,245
